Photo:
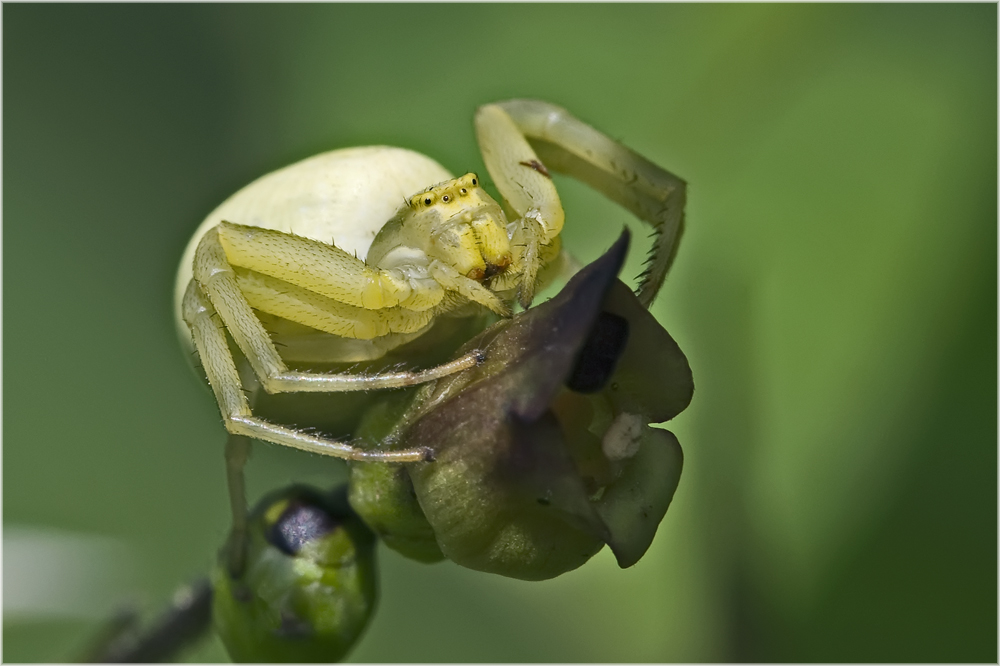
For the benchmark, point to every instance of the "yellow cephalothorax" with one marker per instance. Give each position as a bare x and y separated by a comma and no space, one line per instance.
455,223
357,253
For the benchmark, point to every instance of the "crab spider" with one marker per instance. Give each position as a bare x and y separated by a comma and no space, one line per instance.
350,254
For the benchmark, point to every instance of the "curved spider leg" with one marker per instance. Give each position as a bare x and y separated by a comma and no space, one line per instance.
283,299
555,263
323,268
216,277
210,341
527,188
651,193
452,280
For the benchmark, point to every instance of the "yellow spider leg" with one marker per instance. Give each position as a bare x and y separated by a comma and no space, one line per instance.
216,277
525,184
237,453
558,265
306,307
452,280
548,259
322,268
528,238
651,193
210,341
517,171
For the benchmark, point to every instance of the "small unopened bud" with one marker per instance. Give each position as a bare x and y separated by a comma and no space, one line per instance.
308,587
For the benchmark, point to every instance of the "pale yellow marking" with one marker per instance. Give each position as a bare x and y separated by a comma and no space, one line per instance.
622,439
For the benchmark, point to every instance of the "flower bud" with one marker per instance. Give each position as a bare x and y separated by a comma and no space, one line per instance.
544,453
382,494
308,587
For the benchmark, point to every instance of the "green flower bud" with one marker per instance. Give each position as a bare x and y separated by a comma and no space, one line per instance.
544,453
309,584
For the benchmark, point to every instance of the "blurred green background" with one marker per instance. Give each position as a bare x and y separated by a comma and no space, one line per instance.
835,292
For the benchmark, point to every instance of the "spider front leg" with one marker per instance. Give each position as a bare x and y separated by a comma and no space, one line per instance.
526,186
213,349
560,142
219,283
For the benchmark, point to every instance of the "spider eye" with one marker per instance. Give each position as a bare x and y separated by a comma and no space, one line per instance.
446,198
473,181
464,191
427,201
